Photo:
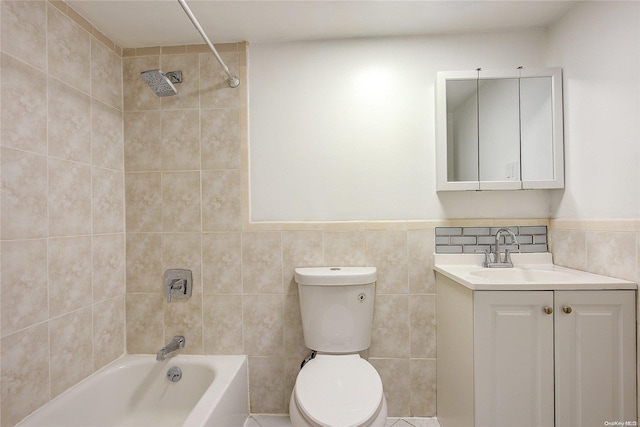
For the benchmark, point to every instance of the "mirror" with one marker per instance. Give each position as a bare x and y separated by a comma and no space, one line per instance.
462,130
500,130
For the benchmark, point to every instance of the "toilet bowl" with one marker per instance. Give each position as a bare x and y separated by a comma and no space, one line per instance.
338,391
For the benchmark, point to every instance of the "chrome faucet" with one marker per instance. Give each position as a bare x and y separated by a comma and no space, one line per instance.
492,260
176,344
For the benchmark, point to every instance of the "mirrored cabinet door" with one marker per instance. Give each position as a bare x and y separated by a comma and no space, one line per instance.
462,132
498,133
499,130
541,136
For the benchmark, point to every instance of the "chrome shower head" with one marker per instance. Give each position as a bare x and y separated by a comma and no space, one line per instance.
160,83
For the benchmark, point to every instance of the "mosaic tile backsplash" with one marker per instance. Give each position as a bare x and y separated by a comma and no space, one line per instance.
458,240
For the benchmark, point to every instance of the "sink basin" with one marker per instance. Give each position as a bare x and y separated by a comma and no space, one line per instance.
517,274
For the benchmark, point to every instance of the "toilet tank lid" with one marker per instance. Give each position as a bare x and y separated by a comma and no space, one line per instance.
335,276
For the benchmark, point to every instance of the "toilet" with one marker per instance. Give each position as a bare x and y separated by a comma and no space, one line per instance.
336,387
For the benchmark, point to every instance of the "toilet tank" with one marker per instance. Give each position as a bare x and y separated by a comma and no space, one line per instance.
336,304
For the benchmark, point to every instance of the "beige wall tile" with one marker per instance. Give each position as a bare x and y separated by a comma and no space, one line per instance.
24,33
345,248
107,201
180,143
421,246
24,105
387,251
68,50
293,337
144,263
24,373
184,317
262,262
143,201
222,324
142,133
569,248
24,294
267,394
422,319
69,198
604,254
107,136
69,124
24,195
173,50
181,201
263,325
220,133
396,380
71,340
221,205
69,274
423,387
222,263
151,50
390,334
106,75
108,266
291,370
108,331
145,318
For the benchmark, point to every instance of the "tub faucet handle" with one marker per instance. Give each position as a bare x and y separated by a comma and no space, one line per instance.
177,283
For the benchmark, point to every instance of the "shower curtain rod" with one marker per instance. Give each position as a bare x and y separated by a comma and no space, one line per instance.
233,80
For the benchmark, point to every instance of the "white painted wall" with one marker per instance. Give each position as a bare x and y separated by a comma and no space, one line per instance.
598,46
344,130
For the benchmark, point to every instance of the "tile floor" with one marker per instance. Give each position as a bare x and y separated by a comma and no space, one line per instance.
283,421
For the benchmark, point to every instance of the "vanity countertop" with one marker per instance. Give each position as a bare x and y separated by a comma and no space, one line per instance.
530,272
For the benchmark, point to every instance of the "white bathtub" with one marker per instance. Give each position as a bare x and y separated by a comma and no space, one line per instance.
134,391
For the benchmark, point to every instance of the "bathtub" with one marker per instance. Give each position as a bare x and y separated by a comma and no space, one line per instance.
134,391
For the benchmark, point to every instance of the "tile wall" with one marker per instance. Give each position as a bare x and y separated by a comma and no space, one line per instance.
62,204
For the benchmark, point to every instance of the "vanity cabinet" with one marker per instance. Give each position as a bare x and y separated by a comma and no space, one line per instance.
535,358
499,129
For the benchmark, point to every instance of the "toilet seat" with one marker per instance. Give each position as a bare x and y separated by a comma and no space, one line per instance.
339,390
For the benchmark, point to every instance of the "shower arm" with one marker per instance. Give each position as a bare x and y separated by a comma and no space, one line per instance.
233,80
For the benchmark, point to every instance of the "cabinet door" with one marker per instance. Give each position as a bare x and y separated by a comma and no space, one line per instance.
513,358
595,357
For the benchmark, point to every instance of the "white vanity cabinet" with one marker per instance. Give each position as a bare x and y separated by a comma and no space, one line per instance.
535,357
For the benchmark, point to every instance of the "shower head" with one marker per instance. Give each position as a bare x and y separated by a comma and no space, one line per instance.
160,83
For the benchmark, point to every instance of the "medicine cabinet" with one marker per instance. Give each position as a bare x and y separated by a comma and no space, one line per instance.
499,130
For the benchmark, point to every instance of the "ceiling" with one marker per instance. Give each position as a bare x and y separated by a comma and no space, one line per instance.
143,23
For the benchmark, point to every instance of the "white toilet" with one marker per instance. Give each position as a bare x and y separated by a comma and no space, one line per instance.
336,387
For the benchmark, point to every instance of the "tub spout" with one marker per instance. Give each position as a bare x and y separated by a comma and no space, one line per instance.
176,343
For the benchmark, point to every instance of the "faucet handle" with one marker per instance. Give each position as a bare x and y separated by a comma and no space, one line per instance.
507,257
487,259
